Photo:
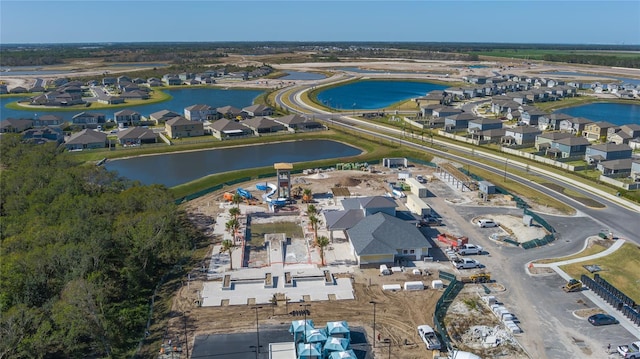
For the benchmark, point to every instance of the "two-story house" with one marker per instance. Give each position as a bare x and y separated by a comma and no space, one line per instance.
569,147
179,127
520,135
597,131
200,113
607,152
127,117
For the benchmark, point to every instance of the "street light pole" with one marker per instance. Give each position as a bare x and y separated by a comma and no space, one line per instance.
305,306
257,332
506,161
388,342
374,322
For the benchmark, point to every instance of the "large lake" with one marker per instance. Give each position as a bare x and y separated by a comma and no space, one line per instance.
181,98
616,113
371,95
178,168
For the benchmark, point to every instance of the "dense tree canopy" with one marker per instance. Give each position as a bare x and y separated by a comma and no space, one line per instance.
81,251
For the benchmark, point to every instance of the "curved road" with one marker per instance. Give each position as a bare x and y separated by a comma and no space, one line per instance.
550,330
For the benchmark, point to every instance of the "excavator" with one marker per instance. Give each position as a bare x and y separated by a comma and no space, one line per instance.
572,285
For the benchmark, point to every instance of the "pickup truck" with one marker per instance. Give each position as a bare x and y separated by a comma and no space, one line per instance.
428,336
631,351
468,249
465,263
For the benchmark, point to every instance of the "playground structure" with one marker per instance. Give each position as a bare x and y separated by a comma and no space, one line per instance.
283,179
243,193
270,189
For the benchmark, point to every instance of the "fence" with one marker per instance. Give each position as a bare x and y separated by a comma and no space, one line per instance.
613,296
442,305
422,162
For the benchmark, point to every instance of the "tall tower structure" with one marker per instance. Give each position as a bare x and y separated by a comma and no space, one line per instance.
283,181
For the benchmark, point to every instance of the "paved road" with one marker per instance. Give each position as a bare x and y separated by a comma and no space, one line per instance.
551,330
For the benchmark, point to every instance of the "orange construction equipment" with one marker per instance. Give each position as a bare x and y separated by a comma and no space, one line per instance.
451,240
228,196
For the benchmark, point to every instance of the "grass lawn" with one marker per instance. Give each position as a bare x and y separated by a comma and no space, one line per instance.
290,229
595,248
620,268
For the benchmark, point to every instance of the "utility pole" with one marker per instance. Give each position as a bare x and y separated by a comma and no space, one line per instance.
374,322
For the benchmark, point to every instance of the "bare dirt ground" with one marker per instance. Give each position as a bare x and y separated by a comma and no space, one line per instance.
398,314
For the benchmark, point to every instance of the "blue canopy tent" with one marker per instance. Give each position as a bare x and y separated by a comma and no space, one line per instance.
298,327
339,330
347,354
335,345
315,336
309,351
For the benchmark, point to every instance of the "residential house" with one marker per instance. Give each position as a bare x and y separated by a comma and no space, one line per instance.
263,125
258,110
543,140
492,136
184,76
446,111
574,125
597,131
297,123
616,168
569,147
551,122
200,113
123,79
520,135
459,121
171,80
85,140
18,89
135,95
607,152
135,136
504,106
43,135
635,170
109,81
162,116
48,120
15,125
128,117
88,119
3,89
427,110
36,89
434,97
384,239
59,81
224,129
483,124
624,133
179,127
530,115
230,112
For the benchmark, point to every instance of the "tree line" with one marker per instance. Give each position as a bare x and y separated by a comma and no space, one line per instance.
81,251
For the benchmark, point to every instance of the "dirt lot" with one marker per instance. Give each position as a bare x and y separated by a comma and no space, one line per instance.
397,315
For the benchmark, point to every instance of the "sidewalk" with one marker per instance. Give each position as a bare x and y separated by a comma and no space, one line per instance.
624,321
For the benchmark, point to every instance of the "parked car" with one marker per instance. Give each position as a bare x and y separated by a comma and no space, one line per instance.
429,337
465,263
487,223
468,249
631,351
602,319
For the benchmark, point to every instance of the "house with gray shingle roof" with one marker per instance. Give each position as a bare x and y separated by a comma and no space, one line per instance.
15,125
135,136
128,117
163,116
263,125
543,141
624,133
296,123
230,112
179,127
597,130
258,110
616,168
86,139
607,152
569,147
200,112
228,129
521,135
385,239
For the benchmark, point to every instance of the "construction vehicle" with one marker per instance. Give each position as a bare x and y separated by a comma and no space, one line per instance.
572,285
477,278
452,240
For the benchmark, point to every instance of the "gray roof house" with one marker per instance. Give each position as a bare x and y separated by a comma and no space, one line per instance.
227,129
357,208
569,147
492,136
229,112
297,123
616,168
446,111
573,124
86,139
258,110
521,135
200,112
48,120
163,116
530,115
543,141
88,119
43,134
551,122
624,133
135,136
384,239
459,121
128,117
263,125
483,124
607,152
15,125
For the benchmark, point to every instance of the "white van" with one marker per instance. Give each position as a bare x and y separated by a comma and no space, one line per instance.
487,223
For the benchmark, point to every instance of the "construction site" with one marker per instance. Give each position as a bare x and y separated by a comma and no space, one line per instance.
279,274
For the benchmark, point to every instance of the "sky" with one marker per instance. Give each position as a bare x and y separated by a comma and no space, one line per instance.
513,21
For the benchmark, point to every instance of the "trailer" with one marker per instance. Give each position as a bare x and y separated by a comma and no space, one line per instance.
418,206
417,285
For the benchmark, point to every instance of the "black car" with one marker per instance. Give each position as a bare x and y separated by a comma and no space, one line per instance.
602,319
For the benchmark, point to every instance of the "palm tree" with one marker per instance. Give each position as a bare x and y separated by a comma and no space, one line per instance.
236,199
307,195
232,226
297,191
322,242
315,222
228,246
235,212
312,210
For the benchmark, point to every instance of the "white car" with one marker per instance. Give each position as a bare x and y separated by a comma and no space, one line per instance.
429,337
467,249
487,223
